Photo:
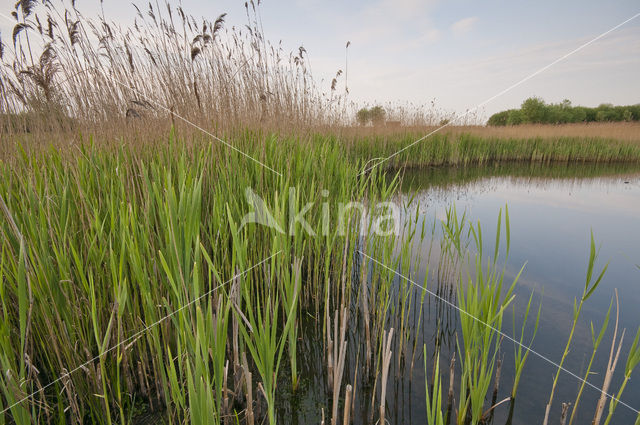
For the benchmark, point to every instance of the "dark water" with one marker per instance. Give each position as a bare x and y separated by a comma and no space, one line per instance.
552,211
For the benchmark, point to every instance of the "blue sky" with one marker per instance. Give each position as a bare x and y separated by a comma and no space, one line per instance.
459,53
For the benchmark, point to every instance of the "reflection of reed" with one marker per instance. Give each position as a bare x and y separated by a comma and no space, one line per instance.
441,182
440,309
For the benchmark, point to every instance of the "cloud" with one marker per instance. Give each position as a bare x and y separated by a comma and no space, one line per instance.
463,26
430,36
391,22
463,81
401,10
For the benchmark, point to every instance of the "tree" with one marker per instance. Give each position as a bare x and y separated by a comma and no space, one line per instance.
515,117
363,116
534,110
601,116
578,114
499,118
377,115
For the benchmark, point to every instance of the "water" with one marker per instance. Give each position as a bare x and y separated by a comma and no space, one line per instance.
553,210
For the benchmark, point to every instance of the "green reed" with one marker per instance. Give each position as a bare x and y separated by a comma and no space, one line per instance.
521,354
434,402
589,287
469,149
98,243
633,359
482,299
595,341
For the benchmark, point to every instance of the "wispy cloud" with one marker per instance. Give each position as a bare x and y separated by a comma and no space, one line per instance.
463,26
392,22
463,82
401,10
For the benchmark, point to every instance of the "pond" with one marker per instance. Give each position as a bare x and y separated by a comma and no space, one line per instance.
552,209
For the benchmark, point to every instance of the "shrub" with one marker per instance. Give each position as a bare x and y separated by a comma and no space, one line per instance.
377,115
534,110
499,118
363,116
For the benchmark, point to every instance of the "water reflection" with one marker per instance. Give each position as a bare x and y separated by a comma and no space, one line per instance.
553,209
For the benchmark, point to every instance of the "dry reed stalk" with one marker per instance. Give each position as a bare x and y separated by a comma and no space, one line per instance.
386,361
355,383
74,408
452,373
237,367
330,355
225,391
565,412
487,416
611,366
141,380
340,356
343,301
346,418
497,380
365,316
489,413
248,390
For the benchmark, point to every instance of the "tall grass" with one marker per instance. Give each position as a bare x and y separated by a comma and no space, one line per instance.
64,66
591,284
482,301
434,402
466,148
110,241
521,354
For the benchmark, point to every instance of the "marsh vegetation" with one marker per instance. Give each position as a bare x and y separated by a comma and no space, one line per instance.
133,289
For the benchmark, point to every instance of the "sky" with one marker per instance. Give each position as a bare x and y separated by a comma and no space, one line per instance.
456,53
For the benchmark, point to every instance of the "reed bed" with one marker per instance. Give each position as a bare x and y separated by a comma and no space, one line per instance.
468,149
98,246
61,69
624,131
132,286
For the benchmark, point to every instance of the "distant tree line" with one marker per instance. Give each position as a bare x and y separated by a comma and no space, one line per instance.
535,111
375,115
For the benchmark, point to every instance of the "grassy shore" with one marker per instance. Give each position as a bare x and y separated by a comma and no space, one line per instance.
129,269
390,148
473,146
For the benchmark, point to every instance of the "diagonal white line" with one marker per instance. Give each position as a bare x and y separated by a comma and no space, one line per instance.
164,108
543,357
137,334
511,87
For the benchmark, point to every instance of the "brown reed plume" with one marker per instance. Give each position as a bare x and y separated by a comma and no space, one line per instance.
92,70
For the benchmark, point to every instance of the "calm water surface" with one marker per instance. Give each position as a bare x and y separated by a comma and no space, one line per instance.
552,213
